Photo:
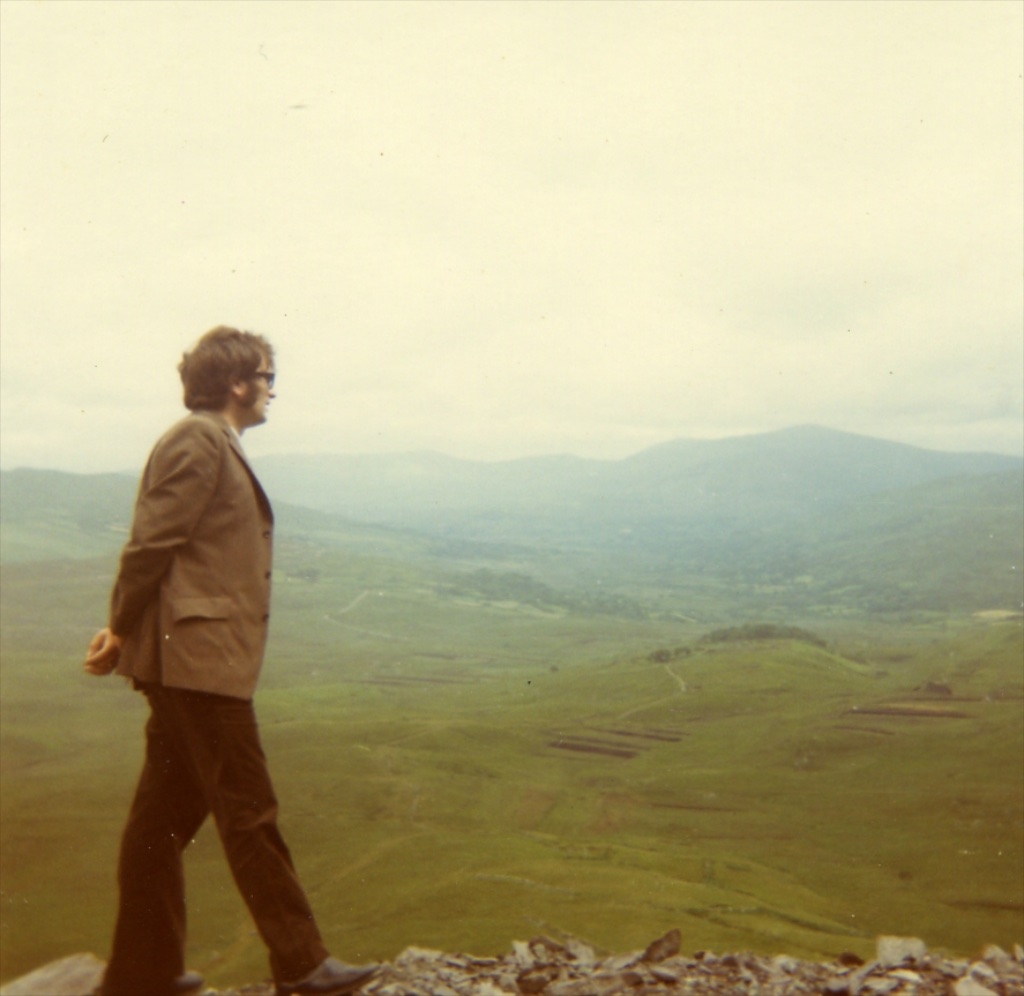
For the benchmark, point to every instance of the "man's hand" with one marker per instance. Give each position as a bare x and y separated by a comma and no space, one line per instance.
104,651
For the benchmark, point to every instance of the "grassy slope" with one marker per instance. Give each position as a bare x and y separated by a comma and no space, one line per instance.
756,811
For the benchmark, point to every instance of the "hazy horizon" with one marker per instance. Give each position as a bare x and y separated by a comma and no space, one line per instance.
327,453
505,230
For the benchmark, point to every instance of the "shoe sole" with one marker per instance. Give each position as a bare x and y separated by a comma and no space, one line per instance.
346,990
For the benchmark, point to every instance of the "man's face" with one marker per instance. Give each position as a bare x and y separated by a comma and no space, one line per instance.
254,396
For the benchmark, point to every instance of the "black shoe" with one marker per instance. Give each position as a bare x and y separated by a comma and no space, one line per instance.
330,978
187,983
184,985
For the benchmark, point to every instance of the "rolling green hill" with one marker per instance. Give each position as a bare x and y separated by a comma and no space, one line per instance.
805,522
952,545
48,514
780,726
51,515
459,770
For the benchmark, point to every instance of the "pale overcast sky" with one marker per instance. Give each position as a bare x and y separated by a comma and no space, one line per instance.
498,229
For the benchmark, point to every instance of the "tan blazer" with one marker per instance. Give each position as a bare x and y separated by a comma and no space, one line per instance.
192,596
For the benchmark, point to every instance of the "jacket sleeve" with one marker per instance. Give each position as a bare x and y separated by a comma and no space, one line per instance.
176,488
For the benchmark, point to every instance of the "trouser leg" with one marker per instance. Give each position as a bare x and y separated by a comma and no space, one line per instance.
221,738
167,811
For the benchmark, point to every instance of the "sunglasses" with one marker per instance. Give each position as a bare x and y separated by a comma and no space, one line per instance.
267,376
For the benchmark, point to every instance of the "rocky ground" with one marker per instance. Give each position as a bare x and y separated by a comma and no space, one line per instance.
902,966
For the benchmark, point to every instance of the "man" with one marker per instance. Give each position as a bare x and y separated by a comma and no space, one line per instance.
188,625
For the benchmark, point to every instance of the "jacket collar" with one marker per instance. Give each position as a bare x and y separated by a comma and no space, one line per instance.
235,442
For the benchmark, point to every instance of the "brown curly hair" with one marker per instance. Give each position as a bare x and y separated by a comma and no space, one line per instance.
219,359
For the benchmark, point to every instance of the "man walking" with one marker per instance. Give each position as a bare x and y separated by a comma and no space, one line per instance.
188,625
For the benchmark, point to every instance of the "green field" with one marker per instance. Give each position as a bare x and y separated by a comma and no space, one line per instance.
461,765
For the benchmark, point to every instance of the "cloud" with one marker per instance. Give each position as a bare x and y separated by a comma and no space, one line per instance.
516,228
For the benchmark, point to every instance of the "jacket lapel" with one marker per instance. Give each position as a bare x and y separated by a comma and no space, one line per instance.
236,448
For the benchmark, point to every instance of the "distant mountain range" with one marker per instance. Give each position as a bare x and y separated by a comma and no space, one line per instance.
824,514
755,477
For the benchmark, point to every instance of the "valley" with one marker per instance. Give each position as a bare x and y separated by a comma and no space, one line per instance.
479,738
456,774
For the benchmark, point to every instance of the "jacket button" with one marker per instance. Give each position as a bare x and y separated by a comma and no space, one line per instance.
267,575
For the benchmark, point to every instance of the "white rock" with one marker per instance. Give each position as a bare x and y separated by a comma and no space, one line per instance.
983,972
583,953
905,975
968,986
618,963
487,987
893,951
596,985
879,987
412,955
70,976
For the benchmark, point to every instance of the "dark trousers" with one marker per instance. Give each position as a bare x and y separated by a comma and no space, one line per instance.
203,756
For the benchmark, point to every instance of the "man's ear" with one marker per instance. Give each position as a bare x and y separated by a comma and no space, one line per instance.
238,389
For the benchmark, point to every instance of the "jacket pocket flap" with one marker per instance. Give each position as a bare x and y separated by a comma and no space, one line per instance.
200,608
